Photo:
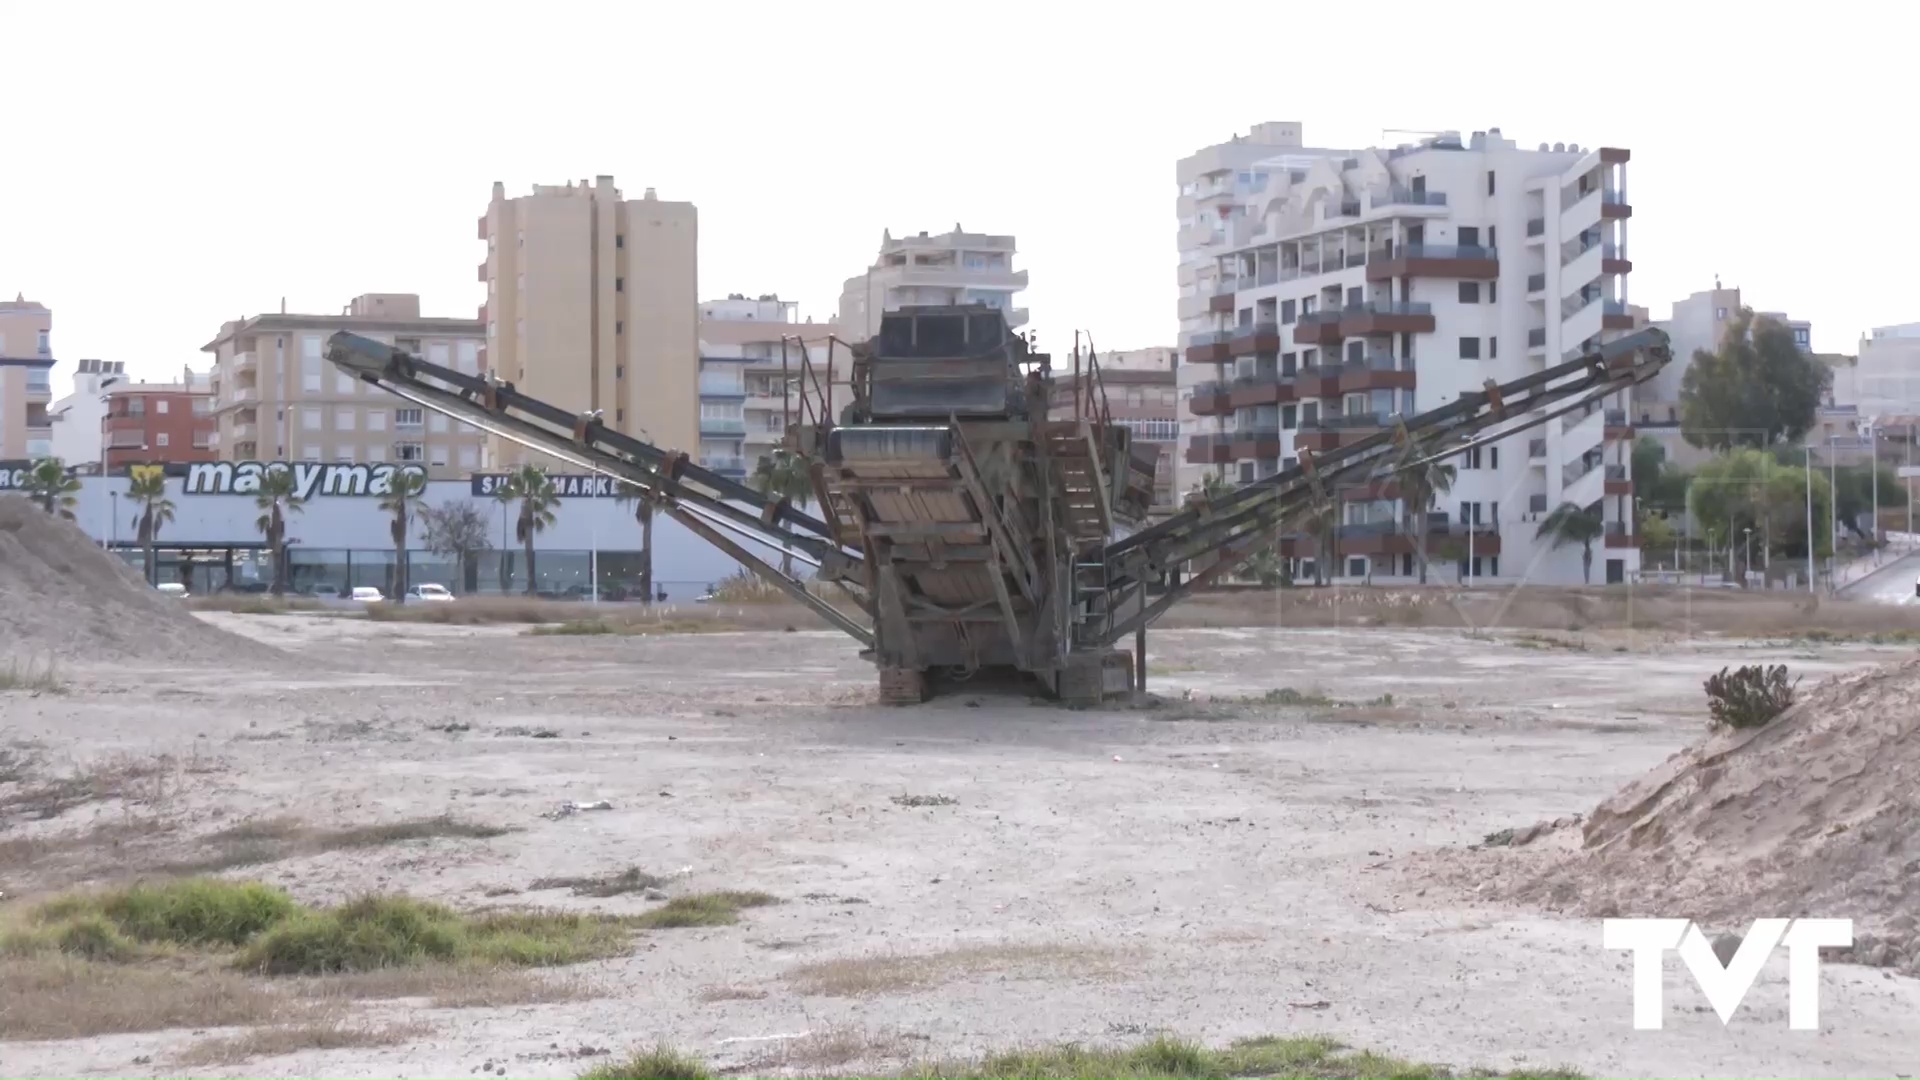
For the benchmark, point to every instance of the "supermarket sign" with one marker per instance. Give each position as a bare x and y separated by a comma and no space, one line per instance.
310,478
565,485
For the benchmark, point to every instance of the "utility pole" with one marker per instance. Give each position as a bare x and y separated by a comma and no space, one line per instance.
1873,464
1810,519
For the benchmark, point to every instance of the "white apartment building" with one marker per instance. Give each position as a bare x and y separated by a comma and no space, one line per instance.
748,392
1333,290
26,368
592,306
77,416
1886,376
277,398
958,267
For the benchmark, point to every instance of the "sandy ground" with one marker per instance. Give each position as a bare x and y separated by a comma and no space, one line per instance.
1211,869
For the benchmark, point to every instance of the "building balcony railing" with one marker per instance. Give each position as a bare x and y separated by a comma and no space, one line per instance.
1210,399
1613,204
713,426
1403,196
1386,317
1262,337
1317,328
1209,449
1260,388
723,464
1466,261
1209,347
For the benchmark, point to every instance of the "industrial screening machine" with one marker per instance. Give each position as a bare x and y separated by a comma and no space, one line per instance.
975,510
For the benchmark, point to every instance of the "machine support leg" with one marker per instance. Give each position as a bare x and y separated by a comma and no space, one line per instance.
1140,659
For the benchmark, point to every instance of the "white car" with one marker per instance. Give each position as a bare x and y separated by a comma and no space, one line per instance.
172,588
367,594
433,594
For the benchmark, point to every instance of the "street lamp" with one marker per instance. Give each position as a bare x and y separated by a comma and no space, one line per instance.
1746,570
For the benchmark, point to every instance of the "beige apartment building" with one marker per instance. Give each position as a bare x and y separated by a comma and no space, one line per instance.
747,396
957,267
1141,392
591,306
278,399
26,367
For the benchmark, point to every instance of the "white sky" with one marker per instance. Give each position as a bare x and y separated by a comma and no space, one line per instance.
176,165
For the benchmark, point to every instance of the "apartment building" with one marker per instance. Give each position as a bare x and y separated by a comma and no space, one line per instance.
1885,377
153,423
277,398
591,305
957,267
26,368
1141,392
1332,291
751,376
77,417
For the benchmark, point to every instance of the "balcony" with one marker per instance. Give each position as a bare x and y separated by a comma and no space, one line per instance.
1536,228
1617,482
1258,338
1221,302
38,385
1210,399
483,228
1403,196
1317,328
1536,283
1614,316
1378,371
1434,260
1537,338
1210,347
1537,452
1209,449
1618,428
1265,388
243,363
710,425
714,385
1383,317
1331,433
1613,260
482,274
243,395
724,464
1256,442
1618,536
1614,206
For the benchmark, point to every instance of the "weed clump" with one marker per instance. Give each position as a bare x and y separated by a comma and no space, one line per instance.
703,909
1750,696
378,932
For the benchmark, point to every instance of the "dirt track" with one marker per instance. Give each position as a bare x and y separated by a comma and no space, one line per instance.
1212,869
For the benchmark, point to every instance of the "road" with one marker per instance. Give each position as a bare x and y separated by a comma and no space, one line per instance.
1891,584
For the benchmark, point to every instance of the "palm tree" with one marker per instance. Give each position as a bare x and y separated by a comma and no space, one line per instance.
149,489
1568,524
784,474
405,499
275,500
50,485
1422,480
534,490
642,513
504,495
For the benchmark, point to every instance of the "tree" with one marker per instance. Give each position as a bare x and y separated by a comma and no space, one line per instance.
1453,549
1422,480
642,513
404,500
149,490
784,474
1749,489
1757,389
1568,524
1656,532
533,489
1656,482
457,530
276,499
504,495
49,484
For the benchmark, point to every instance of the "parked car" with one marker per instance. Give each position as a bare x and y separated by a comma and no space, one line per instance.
172,588
367,594
433,594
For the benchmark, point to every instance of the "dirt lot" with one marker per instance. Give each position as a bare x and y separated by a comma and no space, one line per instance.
981,871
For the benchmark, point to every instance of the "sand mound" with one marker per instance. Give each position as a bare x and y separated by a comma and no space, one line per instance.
61,596
1817,814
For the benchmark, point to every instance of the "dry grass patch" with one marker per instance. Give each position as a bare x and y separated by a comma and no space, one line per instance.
829,1048
265,840
631,880
52,996
294,1038
32,678
140,780
447,987
715,994
865,976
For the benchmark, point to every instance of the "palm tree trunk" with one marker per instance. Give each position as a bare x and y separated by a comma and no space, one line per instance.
1420,550
528,549
400,563
506,572
279,551
1586,562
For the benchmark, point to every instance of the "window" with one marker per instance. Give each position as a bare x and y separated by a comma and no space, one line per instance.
42,343
1493,348
409,451
1469,292
1493,292
343,419
619,371
1490,184
342,383
470,357
1469,348
469,456
375,454
136,406
1286,312
202,406
377,420
1493,456
619,284
310,453
1492,236
309,419
1356,566
160,439
1720,313
1289,415
310,357
619,240
437,456
437,423
407,418
619,327
160,406
440,353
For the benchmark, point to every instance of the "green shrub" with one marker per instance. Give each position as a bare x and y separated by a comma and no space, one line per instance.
1750,696
375,932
